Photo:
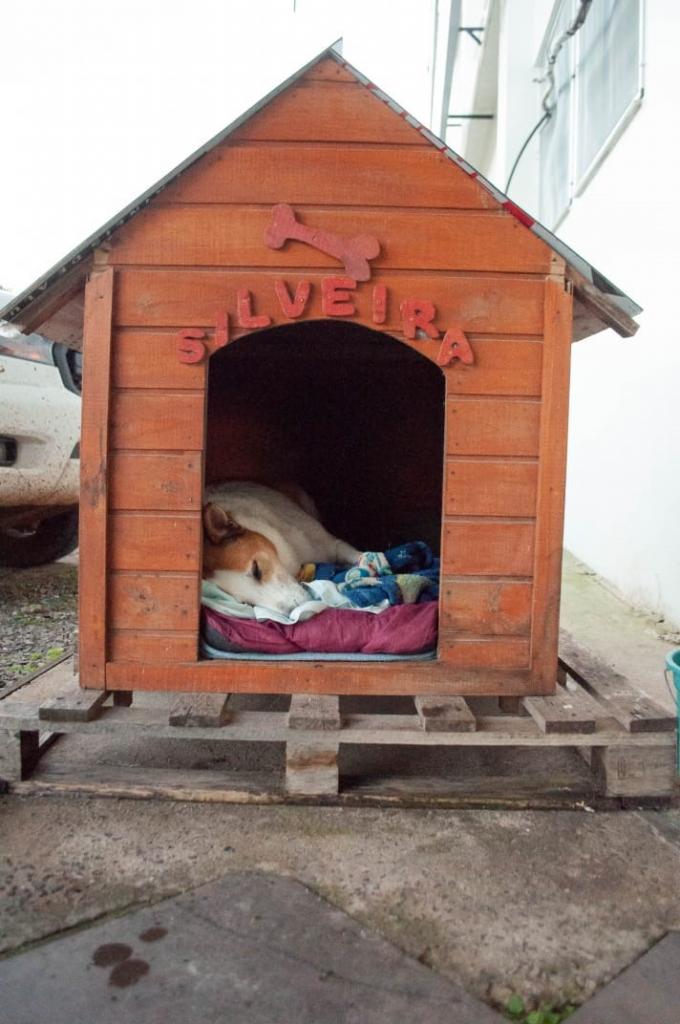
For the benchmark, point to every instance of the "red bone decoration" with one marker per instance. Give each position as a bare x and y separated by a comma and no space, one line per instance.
353,252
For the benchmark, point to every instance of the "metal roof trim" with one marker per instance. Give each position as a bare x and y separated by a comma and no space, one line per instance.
581,265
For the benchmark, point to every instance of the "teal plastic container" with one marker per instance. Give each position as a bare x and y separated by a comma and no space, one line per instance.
673,669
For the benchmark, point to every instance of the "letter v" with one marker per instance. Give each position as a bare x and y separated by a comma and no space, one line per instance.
292,308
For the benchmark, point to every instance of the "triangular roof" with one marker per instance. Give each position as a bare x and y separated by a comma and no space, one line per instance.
56,296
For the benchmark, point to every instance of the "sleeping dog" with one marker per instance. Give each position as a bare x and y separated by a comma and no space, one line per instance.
257,538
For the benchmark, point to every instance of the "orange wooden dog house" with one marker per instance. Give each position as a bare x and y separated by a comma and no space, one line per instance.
325,293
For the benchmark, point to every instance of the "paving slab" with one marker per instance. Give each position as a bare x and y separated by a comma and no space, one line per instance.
648,991
249,948
548,905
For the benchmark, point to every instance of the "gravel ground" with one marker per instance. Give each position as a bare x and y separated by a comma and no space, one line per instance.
38,616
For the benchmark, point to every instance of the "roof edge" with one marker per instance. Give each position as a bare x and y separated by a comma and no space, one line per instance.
34,291
615,301
607,302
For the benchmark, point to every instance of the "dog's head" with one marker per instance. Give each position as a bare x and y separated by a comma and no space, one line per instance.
246,564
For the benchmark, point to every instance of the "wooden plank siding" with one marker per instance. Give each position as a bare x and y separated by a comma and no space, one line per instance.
137,646
156,541
488,547
505,366
164,481
488,652
485,607
492,426
219,235
328,112
363,174
348,165
155,499
154,600
146,359
503,305
164,419
490,488
489,509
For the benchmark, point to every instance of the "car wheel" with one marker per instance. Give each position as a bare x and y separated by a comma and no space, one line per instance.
52,538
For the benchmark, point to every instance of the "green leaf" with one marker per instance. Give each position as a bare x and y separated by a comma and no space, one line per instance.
536,1017
55,652
515,1005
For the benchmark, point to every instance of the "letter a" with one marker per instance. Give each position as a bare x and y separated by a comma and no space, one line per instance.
455,346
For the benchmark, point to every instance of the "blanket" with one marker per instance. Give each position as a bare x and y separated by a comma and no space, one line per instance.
401,584
407,574
398,631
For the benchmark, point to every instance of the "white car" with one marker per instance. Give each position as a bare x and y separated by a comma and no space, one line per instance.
40,384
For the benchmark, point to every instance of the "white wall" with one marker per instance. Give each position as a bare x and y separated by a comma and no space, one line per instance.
623,497
506,87
623,486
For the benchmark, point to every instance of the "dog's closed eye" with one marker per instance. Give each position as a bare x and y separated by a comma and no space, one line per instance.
256,572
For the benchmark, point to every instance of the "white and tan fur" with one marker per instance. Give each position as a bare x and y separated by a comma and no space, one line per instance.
257,538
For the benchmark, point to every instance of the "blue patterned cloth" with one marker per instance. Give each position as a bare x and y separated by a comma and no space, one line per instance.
408,574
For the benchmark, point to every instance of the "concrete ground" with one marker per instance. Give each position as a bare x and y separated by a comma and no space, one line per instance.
550,905
633,642
250,949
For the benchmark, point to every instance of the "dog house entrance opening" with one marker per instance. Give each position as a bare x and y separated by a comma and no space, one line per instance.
339,424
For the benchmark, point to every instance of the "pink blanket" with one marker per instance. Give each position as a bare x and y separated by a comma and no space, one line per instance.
402,629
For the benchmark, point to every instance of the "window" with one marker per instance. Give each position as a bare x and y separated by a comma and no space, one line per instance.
608,75
598,87
554,140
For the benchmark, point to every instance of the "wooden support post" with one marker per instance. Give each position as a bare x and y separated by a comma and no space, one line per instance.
74,705
565,711
634,771
510,705
445,714
312,765
313,711
18,753
636,712
312,762
551,485
94,449
200,710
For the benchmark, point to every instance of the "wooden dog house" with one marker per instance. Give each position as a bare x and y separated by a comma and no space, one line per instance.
325,292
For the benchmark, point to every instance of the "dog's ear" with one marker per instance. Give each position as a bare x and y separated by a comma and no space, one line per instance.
219,525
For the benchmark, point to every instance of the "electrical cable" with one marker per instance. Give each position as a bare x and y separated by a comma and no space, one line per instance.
577,23
546,117
549,109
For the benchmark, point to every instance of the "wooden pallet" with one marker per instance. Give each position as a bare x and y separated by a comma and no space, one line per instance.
627,740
